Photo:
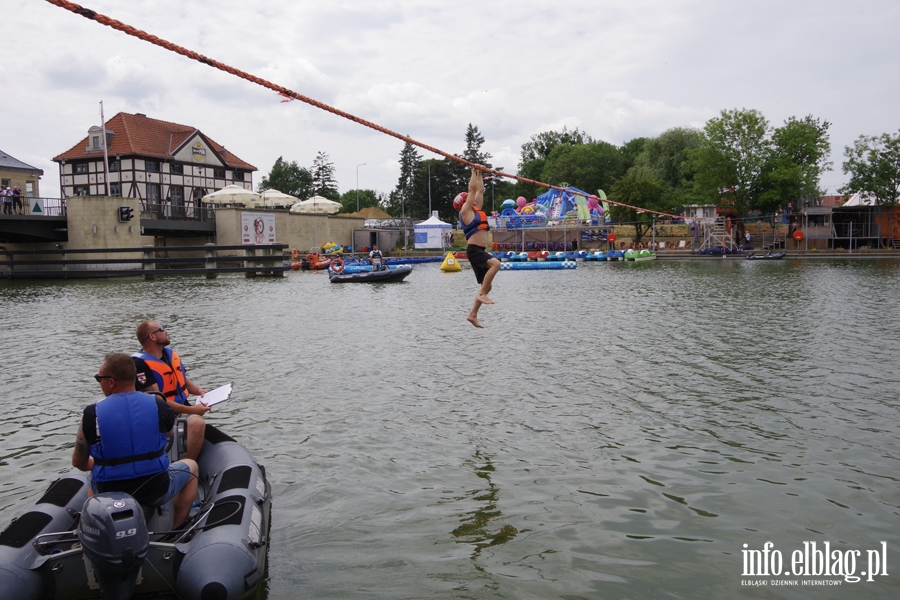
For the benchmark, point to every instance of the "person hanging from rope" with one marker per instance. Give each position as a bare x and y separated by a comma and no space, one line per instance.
473,222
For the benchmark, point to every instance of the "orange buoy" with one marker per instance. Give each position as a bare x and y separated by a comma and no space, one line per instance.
612,237
798,235
337,265
295,266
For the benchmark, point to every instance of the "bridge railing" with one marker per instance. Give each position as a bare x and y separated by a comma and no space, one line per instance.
147,261
167,210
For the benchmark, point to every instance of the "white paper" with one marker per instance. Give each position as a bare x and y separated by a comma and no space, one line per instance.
220,394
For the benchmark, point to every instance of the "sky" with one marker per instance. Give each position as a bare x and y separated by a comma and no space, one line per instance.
423,68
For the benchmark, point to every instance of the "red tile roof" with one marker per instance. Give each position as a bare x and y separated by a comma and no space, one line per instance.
143,136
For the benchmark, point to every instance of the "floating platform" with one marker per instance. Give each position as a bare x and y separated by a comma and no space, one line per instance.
538,266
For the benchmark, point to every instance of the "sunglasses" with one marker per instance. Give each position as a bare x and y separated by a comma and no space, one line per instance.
160,330
100,378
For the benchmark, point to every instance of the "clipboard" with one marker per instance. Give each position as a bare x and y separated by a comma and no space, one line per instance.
220,394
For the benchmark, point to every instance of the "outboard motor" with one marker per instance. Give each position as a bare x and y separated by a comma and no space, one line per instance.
114,538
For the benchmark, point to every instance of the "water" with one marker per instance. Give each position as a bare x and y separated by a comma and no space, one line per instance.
617,431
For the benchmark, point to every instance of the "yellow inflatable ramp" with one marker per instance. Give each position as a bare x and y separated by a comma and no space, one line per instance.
450,264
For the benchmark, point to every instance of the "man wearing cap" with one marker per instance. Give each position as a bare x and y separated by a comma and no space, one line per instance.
473,221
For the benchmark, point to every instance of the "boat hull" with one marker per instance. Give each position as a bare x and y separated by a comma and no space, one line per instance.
220,552
397,273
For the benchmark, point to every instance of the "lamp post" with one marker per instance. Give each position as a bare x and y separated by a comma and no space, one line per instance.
357,185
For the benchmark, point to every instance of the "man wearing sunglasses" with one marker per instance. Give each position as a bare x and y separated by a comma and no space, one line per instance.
159,369
122,442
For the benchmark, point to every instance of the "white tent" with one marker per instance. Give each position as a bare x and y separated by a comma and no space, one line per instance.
859,199
431,233
231,194
316,205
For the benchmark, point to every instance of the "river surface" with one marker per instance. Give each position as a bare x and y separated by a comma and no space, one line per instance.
617,431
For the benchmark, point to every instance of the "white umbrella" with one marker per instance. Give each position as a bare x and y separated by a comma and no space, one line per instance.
275,198
231,194
317,205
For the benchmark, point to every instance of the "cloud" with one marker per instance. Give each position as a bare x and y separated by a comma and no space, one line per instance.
615,70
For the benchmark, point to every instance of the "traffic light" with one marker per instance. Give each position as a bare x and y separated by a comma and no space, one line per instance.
126,213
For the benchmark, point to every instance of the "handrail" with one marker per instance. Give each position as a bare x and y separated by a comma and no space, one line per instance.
266,259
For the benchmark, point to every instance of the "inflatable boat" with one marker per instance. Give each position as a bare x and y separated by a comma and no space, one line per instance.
393,273
766,256
69,546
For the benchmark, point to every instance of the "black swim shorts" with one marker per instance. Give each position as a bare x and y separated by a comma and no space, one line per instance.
478,258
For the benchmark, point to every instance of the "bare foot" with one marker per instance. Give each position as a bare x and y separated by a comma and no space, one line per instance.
474,322
484,299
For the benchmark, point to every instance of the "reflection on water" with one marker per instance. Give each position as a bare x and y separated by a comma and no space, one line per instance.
474,529
616,431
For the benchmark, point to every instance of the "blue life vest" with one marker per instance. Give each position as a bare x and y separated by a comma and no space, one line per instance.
131,444
479,222
170,380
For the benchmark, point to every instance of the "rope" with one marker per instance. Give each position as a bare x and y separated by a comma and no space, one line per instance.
283,91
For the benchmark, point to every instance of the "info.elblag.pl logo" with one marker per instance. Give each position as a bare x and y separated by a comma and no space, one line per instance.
813,561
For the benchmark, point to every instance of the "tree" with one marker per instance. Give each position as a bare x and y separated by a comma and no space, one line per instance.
366,198
474,141
642,188
729,168
540,145
589,167
873,164
796,162
323,177
535,153
399,201
289,178
666,156
874,167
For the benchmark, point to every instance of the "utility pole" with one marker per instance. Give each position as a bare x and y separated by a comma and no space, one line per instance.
357,185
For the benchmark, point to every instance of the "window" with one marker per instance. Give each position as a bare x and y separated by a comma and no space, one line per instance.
219,173
115,190
95,142
176,194
4,182
176,169
153,192
114,166
238,176
80,168
152,166
29,189
81,190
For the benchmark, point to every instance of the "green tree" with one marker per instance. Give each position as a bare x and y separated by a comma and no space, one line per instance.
540,145
797,160
640,187
729,168
323,177
873,163
288,177
366,199
666,156
535,153
400,201
474,142
588,167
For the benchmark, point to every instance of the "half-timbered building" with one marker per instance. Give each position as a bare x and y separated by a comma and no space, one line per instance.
161,163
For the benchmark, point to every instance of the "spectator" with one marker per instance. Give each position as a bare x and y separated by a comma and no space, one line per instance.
17,200
6,197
